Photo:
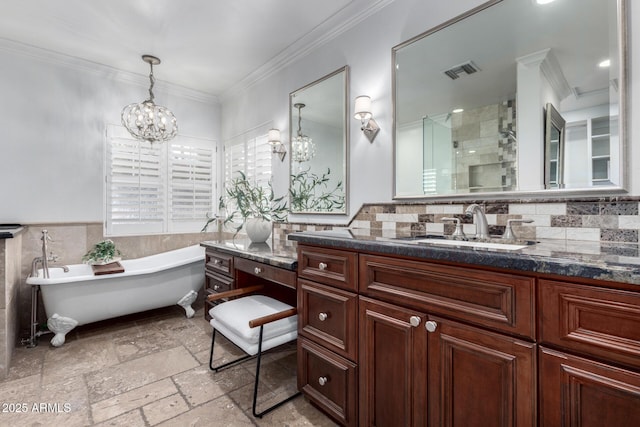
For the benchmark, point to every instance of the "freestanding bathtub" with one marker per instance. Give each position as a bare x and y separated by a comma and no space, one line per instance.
78,296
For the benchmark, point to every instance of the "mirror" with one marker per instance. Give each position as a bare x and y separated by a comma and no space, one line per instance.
318,129
470,101
554,148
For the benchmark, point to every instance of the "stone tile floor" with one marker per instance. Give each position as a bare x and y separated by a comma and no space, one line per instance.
148,369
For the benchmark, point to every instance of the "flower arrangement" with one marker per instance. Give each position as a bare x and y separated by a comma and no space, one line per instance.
103,252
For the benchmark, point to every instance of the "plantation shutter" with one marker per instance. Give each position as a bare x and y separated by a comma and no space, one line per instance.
191,183
135,182
157,188
249,153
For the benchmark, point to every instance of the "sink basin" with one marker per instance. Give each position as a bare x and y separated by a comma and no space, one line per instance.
486,245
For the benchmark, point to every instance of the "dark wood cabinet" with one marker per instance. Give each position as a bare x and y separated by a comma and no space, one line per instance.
219,276
392,364
460,345
575,391
478,377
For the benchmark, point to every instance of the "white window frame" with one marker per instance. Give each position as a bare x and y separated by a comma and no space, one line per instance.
162,188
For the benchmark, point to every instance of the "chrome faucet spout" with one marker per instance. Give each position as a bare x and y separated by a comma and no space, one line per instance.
479,219
34,266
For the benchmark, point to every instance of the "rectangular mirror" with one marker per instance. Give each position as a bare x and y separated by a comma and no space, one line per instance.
319,145
470,101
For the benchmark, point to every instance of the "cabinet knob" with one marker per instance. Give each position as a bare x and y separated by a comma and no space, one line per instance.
323,380
257,270
323,316
322,266
216,287
431,326
216,262
415,321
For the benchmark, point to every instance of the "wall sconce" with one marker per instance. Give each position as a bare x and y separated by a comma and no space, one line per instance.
363,113
276,145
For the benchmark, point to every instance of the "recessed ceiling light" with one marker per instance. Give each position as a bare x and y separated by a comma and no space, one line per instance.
472,151
457,110
543,1
604,64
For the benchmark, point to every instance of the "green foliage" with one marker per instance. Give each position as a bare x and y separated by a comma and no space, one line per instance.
104,251
243,199
310,193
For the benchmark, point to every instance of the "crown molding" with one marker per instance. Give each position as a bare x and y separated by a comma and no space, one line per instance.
357,11
101,70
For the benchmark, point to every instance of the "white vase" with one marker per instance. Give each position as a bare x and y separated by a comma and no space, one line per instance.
258,229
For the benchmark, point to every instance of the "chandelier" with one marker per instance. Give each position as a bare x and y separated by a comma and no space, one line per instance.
302,147
147,121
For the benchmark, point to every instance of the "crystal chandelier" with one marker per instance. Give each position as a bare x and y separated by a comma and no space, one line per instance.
302,147
147,121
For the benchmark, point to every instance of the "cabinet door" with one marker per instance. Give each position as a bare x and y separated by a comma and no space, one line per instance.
479,378
393,362
580,392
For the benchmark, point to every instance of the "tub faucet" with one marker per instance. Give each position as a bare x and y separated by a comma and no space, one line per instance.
45,258
479,219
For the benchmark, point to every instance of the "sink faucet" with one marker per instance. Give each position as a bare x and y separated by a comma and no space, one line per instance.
479,219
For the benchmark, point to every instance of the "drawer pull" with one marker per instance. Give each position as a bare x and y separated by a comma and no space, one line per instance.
323,380
257,270
431,326
216,287
414,321
322,266
323,316
216,262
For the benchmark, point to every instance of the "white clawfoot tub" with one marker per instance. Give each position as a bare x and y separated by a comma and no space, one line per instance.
78,297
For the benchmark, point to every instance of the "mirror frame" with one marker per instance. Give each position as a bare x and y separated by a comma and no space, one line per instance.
346,143
622,57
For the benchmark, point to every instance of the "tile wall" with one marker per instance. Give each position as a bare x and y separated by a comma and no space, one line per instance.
595,220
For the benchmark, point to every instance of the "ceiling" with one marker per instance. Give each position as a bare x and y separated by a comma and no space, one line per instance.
209,46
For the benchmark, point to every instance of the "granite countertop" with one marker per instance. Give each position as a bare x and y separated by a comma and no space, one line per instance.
9,231
278,253
619,262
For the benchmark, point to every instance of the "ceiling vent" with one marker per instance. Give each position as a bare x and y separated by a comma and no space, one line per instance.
468,67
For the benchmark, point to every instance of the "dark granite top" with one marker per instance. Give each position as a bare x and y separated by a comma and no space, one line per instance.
9,231
619,262
278,253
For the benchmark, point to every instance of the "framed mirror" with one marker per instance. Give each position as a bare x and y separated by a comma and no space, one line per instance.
470,101
318,126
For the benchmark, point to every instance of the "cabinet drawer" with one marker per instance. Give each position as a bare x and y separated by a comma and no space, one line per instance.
596,321
329,380
329,317
500,301
213,284
219,262
329,266
216,283
267,272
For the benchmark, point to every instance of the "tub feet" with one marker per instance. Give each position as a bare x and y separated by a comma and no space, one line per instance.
186,301
60,326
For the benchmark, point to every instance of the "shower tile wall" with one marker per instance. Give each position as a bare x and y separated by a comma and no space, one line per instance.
485,159
10,259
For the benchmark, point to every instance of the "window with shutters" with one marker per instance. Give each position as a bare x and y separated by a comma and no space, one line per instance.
251,154
157,188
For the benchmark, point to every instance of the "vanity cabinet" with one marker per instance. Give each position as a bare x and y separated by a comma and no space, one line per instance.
327,330
439,369
589,355
444,344
219,276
